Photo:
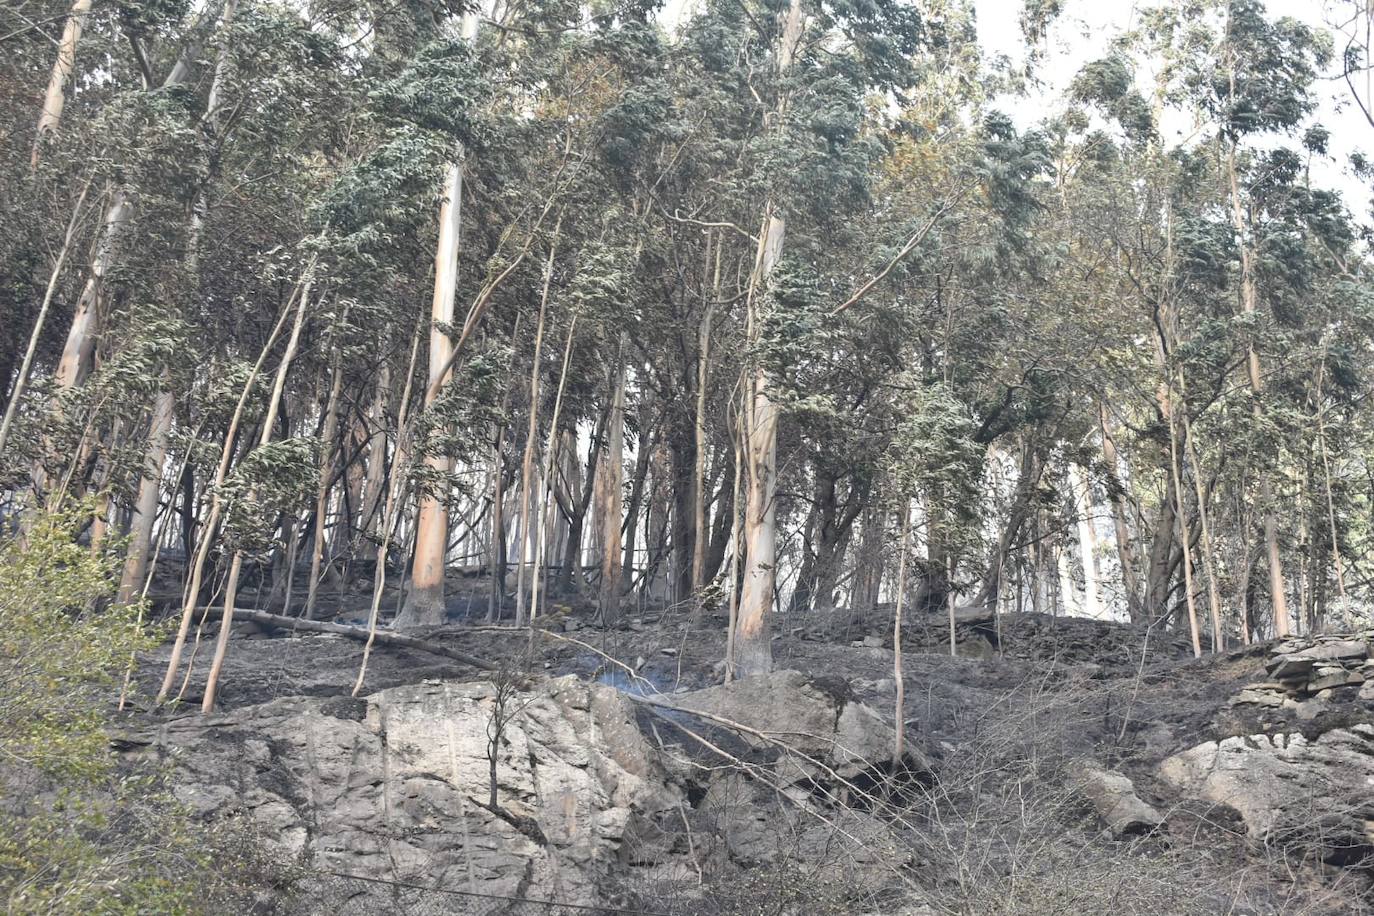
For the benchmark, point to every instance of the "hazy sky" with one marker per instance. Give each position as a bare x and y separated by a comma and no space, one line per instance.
1085,28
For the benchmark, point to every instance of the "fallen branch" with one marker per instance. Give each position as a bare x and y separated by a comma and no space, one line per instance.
361,635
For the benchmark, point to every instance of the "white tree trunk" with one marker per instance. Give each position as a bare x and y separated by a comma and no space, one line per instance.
55,99
752,643
424,605
145,506
1277,587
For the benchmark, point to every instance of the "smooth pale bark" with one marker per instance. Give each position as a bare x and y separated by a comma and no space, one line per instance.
393,501
1087,542
496,529
736,553
612,495
550,456
1248,296
55,99
496,540
703,377
1181,519
424,604
1069,605
647,445
160,424
79,351
1031,469
753,644
145,505
527,485
1208,551
1330,505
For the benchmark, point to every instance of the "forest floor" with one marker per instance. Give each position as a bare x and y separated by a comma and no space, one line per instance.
1027,694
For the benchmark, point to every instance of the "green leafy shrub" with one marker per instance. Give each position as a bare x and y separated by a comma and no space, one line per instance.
79,831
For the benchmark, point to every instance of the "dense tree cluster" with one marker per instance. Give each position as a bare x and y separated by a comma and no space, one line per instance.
765,307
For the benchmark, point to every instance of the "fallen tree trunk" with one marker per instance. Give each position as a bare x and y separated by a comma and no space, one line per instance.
361,635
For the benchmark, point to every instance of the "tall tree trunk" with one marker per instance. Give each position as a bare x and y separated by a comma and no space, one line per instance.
25,365
374,482
723,522
79,351
231,588
207,533
424,603
899,701
145,505
699,532
55,99
611,497
682,443
546,507
527,482
327,460
1277,588
1183,530
753,642
646,446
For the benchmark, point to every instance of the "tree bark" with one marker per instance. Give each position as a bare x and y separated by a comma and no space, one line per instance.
270,421
753,642
327,459
527,482
145,505
424,604
1277,588
611,497
55,99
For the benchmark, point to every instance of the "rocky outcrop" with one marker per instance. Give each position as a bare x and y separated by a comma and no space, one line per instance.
1308,667
396,786
1292,793
1301,775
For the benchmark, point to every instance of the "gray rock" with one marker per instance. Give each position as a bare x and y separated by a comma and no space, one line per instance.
1286,788
789,711
1336,677
1114,798
398,793
1259,695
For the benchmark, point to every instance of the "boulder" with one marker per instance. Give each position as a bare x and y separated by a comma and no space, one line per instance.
1114,798
1289,790
790,712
